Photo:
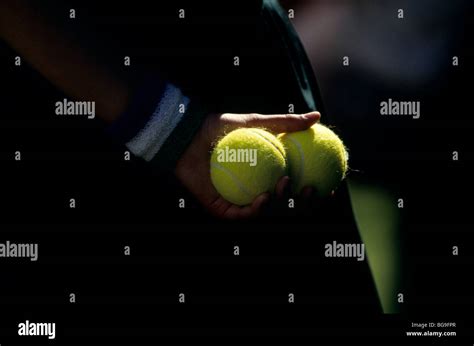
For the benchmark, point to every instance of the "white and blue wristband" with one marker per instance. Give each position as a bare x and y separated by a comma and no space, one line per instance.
159,123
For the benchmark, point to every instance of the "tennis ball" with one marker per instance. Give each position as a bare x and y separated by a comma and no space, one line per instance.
316,157
246,163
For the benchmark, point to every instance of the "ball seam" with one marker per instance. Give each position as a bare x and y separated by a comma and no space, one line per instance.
301,152
267,140
237,182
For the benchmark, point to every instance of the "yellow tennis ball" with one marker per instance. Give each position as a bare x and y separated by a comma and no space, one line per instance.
246,163
316,157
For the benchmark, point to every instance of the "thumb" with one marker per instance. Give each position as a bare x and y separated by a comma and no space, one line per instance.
279,123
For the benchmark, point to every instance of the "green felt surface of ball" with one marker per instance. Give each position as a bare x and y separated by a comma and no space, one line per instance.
316,157
246,163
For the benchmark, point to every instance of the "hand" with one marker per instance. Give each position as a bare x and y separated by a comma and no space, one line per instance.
193,166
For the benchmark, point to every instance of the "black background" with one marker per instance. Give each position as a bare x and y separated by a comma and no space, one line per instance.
229,299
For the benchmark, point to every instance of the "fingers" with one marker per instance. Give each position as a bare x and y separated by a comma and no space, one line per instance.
230,211
307,193
282,188
235,212
226,210
279,123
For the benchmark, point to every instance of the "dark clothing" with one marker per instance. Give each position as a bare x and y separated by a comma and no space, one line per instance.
197,54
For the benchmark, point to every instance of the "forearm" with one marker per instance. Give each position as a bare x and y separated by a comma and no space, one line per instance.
64,63
156,121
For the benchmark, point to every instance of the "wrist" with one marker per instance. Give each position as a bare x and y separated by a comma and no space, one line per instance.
159,123
185,165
